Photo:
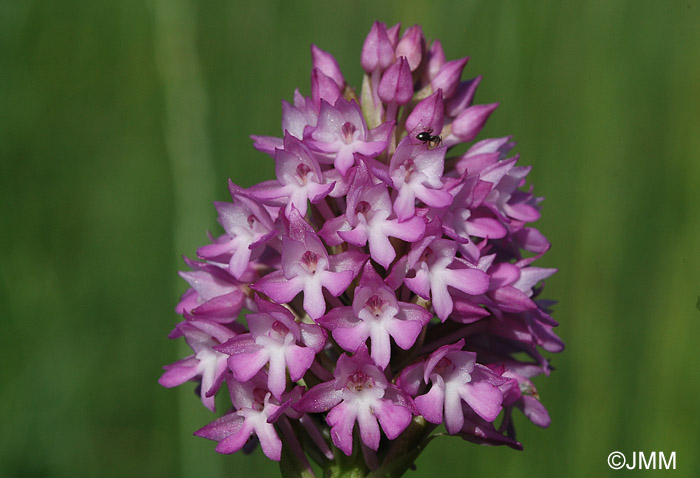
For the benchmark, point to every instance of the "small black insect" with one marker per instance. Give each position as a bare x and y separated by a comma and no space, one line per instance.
427,137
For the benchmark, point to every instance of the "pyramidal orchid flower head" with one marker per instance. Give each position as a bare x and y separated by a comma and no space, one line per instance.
381,284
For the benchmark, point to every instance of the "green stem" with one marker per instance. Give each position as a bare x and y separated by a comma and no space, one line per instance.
344,466
405,449
397,460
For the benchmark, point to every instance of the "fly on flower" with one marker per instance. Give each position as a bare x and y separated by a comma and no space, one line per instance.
381,285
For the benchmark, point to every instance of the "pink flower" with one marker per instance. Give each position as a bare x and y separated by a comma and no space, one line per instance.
377,315
248,227
455,378
254,410
207,363
368,220
214,294
359,393
437,268
341,132
307,267
300,179
416,173
380,284
276,339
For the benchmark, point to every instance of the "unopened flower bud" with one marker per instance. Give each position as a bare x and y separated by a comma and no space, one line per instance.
448,77
463,97
468,124
325,62
377,51
427,115
411,46
436,58
397,84
323,87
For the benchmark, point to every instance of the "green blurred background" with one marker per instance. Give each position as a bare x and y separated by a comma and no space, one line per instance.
121,121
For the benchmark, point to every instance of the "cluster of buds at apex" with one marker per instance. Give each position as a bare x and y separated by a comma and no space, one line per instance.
381,284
